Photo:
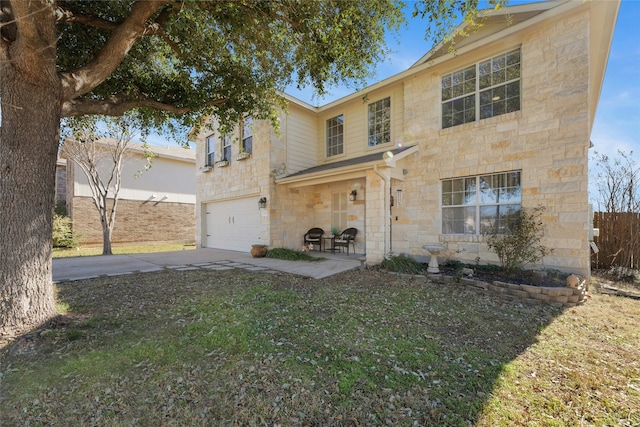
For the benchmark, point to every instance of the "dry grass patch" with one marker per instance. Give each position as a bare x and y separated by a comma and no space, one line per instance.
238,347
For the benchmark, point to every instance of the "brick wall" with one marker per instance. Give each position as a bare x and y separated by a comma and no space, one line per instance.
137,221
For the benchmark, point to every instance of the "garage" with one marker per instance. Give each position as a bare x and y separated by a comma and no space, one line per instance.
233,224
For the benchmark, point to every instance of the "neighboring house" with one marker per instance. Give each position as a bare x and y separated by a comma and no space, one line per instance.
156,205
61,181
435,154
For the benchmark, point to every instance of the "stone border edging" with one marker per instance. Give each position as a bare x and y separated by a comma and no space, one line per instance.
560,296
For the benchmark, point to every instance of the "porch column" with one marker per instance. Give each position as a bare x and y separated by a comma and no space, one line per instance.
378,214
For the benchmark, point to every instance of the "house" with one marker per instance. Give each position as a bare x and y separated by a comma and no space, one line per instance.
154,205
61,181
432,155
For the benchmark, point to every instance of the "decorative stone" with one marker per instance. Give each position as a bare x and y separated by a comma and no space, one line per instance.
467,272
466,281
517,293
496,289
554,292
573,281
541,297
531,289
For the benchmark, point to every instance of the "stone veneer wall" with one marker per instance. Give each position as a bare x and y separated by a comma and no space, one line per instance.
547,140
137,221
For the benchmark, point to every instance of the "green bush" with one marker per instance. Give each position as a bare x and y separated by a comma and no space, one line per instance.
61,208
290,255
521,242
63,236
402,264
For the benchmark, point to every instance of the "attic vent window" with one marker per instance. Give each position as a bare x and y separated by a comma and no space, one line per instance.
486,89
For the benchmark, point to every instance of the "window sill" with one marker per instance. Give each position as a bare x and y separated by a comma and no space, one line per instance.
480,124
221,163
461,238
205,169
243,156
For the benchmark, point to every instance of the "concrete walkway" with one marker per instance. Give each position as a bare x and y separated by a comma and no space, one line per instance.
78,268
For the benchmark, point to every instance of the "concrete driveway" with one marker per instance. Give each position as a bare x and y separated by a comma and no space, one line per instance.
78,268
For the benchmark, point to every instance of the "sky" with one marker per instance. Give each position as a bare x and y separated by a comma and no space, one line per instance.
617,122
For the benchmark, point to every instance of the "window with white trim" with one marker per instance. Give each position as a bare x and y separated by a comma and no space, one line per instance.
489,88
335,133
478,204
211,150
379,129
247,135
226,147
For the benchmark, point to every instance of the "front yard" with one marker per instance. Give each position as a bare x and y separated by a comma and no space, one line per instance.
243,348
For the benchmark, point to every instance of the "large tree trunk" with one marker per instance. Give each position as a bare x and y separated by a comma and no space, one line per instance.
29,136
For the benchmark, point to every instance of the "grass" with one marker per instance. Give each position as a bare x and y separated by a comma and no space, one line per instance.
120,249
361,348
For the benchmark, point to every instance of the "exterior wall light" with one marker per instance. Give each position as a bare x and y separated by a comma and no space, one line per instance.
352,195
262,203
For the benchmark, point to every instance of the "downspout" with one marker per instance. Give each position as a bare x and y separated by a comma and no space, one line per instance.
387,209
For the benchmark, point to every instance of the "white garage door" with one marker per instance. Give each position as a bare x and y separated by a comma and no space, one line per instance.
234,224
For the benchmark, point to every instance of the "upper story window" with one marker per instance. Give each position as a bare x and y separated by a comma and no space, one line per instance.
489,88
379,122
477,204
335,132
211,150
226,147
247,135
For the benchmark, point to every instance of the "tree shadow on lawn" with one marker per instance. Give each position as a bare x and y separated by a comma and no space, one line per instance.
191,348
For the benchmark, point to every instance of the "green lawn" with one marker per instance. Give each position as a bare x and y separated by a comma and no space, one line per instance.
119,249
243,348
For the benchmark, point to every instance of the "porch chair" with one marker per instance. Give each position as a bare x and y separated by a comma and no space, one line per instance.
314,236
346,238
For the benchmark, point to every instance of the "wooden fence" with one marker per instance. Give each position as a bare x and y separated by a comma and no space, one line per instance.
619,240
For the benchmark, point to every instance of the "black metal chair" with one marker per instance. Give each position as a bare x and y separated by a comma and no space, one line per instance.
346,238
314,236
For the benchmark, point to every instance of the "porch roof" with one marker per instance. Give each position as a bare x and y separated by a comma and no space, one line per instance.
346,169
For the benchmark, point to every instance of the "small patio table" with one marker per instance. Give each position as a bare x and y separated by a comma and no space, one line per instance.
331,247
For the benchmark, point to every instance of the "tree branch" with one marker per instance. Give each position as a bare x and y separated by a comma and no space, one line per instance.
117,105
66,15
82,80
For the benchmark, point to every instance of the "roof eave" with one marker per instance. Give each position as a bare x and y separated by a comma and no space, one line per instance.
344,172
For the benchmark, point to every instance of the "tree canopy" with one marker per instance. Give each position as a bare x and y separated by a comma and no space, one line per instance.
181,59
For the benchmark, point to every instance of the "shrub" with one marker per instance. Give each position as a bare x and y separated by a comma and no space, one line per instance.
290,255
520,243
63,236
61,208
402,264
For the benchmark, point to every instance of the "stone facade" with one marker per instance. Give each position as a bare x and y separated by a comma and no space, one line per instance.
563,56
